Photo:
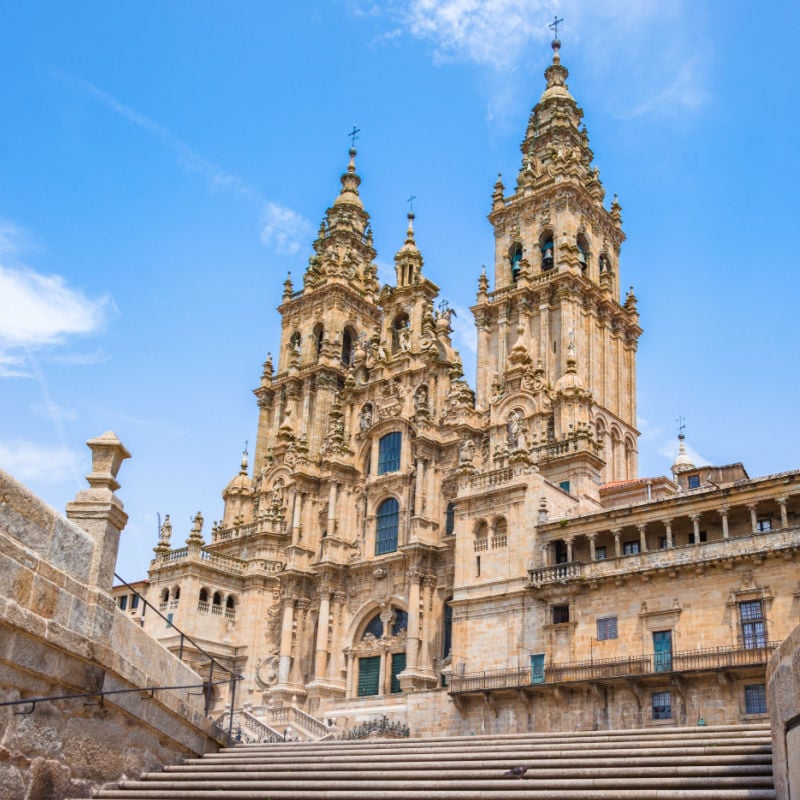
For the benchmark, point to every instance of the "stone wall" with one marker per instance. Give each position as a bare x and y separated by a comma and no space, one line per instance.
783,700
60,634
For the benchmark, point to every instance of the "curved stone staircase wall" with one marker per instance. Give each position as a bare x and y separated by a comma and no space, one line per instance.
783,700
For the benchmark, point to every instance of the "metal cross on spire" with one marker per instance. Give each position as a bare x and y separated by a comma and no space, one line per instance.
410,202
554,26
681,426
354,135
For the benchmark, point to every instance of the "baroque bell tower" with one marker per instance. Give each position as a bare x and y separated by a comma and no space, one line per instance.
556,348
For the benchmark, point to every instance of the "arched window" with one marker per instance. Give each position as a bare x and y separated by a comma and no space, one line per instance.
605,264
548,255
165,596
515,256
347,347
389,452
176,593
583,252
295,342
447,632
204,595
386,526
450,519
230,602
217,599
374,627
319,334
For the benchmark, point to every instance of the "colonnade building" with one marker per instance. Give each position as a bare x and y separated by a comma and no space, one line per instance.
467,561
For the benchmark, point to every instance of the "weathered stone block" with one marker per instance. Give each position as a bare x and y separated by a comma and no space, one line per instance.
71,549
31,534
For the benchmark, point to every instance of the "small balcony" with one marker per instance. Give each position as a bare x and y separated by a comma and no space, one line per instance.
656,664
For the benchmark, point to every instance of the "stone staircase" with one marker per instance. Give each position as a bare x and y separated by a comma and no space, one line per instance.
706,763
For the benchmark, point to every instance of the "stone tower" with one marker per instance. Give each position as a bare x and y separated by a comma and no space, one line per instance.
556,349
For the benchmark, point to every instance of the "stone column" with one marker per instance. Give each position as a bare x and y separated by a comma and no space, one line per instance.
544,334
430,488
642,538
337,646
419,483
751,507
412,634
321,655
297,515
98,511
696,527
723,512
668,527
332,508
617,541
502,344
285,655
429,585
569,550
592,549
782,501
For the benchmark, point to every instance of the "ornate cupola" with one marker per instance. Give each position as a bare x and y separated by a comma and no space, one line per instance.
556,293
408,260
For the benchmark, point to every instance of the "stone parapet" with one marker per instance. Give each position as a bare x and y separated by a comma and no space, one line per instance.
783,701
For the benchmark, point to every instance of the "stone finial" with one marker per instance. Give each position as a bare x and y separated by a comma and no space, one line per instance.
164,536
108,453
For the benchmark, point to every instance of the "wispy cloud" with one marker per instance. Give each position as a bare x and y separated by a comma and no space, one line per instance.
55,412
283,229
28,461
36,310
647,55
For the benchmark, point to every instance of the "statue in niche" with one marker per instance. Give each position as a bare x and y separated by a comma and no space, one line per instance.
365,417
404,338
421,399
515,429
466,452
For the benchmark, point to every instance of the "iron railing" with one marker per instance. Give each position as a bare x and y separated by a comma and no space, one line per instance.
707,659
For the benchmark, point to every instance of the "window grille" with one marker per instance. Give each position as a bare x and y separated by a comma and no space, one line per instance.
662,705
606,628
369,670
754,626
755,699
560,614
398,665
389,452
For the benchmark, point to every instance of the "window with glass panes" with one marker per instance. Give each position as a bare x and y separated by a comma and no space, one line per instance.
755,699
606,628
662,705
630,548
369,670
398,665
389,452
754,626
387,521
450,519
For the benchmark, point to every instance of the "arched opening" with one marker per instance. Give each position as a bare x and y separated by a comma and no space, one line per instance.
230,602
348,337
387,522
548,251
400,332
514,258
176,593
216,603
604,263
447,628
374,628
583,252
382,656
450,519
500,532
165,596
204,595
319,335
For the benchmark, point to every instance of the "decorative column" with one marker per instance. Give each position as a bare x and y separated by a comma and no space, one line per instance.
285,654
430,488
502,343
297,513
412,634
696,527
335,665
427,622
642,538
332,508
419,483
751,507
723,512
321,655
617,541
569,550
592,549
668,527
782,501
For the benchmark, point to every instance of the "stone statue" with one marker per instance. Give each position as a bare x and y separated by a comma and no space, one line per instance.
404,337
466,452
365,417
514,428
421,398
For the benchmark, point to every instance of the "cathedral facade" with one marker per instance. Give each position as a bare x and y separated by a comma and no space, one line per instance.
472,561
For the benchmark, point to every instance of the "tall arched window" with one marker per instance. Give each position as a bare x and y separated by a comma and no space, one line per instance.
583,252
387,522
347,347
515,257
447,633
450,519
548,255
319,335
389,452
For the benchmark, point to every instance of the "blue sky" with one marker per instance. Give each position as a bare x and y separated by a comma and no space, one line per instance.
162,166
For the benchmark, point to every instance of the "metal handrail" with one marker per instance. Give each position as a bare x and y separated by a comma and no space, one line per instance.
234,676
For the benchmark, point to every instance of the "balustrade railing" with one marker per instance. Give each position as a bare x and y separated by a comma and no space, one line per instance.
602,669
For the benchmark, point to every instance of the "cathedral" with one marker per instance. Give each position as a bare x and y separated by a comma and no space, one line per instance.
465,561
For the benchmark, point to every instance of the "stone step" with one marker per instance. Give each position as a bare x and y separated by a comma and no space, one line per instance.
671,764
